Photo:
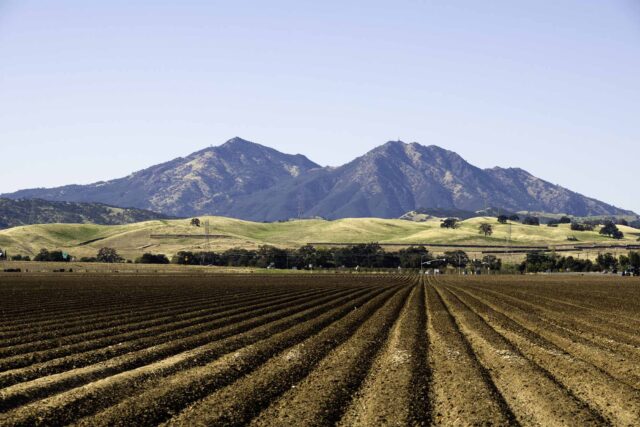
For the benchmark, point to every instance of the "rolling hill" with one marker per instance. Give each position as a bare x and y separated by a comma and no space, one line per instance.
14,213
241,179
131,240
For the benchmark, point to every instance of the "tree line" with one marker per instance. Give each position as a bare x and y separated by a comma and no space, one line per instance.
366,255
538,262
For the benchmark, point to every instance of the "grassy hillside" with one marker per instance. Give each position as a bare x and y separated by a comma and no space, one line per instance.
14,213
131,240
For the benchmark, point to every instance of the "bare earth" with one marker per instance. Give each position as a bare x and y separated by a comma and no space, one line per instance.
348,350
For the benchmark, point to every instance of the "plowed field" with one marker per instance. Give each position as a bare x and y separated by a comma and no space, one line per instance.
319,350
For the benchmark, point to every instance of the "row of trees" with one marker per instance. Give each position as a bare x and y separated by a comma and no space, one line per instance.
105,255
369,255
540,262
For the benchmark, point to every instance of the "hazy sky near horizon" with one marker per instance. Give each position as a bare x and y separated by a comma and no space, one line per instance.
95,90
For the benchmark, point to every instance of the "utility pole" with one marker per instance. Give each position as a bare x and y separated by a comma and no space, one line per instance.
509,243
207,235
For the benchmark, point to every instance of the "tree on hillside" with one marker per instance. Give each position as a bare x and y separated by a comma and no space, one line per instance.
502,219
486,229
108,255
449,223
611,230
564,220
514,217
575,226
195,222
531,220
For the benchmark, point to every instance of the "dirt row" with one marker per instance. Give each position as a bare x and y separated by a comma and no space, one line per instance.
51,383
347,351
164,319
68,406
530,344
113,299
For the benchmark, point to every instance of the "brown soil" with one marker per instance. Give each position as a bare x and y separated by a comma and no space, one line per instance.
348,350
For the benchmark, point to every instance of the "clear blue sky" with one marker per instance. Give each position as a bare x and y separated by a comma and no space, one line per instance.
92,90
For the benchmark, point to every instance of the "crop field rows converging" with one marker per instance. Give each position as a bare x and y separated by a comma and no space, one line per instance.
348,350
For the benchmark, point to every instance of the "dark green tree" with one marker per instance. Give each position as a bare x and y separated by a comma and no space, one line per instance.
486,229
149,258
531,220
538,262
611,230
634,261
607,262
412,256
492,262
52,256
457,258
624,262
108,255
449,223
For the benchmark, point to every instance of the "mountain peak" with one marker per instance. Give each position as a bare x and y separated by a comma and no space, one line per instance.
236,141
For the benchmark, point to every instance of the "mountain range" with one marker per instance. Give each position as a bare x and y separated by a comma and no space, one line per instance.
242,179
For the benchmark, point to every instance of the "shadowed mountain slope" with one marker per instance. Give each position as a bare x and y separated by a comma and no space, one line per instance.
14,213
